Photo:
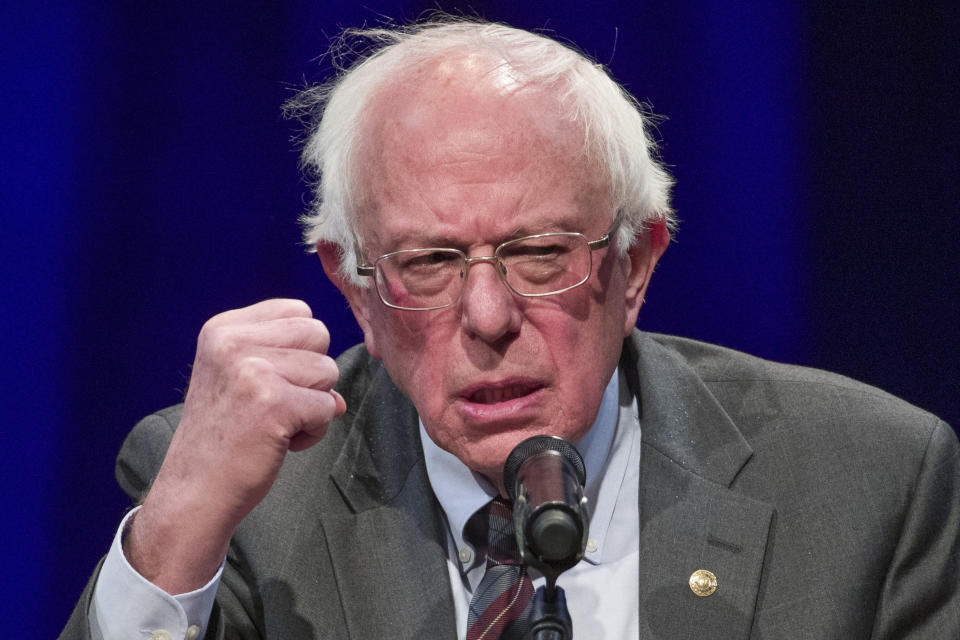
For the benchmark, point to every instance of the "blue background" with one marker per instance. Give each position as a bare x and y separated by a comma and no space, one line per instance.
149,182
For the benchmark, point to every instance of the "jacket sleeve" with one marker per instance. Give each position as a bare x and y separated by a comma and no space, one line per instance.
137,464
920,597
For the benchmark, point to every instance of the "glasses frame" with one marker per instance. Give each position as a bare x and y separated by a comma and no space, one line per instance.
370,270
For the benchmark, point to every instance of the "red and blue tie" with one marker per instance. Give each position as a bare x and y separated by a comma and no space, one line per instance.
499,609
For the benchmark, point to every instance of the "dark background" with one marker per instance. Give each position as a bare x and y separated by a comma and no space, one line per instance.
149,182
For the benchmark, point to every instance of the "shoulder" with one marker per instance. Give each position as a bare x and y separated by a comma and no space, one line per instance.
751,388
806,428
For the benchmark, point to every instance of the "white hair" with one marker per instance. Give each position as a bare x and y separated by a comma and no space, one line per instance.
615,125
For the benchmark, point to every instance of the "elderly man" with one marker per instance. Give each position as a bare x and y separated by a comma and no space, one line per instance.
490,205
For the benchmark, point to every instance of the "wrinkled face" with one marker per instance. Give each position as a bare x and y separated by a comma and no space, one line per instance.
458,164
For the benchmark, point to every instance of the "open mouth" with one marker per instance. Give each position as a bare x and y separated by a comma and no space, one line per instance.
496,395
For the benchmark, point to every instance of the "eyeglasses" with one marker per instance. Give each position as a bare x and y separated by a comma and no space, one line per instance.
533,266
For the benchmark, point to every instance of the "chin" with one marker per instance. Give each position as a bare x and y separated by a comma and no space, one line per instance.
488,455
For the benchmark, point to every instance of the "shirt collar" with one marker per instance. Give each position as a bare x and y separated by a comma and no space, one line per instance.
461,492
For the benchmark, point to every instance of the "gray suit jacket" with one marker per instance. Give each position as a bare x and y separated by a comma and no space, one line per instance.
826,509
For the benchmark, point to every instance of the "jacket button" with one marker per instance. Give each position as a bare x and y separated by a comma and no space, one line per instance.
703,583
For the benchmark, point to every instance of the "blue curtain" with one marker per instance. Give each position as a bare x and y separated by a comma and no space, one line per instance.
150,182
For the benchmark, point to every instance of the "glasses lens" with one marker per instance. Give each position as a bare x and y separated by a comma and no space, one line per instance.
420,278
545,264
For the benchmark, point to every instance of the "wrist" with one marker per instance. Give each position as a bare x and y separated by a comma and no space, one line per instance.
175,545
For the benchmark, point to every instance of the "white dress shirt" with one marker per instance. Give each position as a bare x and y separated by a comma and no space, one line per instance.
127,606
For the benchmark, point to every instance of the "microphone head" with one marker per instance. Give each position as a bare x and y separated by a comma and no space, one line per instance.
532,446
544,478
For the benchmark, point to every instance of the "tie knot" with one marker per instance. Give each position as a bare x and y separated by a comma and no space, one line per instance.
501,541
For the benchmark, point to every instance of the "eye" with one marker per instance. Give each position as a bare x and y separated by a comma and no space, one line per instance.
535,251
546,251
426,259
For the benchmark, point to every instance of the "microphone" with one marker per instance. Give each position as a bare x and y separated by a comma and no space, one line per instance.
544,477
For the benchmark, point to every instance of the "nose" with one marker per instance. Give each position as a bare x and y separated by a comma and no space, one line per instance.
488,309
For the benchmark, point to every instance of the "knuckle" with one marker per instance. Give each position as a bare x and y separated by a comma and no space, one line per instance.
208,330
303,308
224,319
331,369
293,307
313,334
324,373
264,396
323,336
212,334
253,370
225,343
255,382
322,414
330,406
215,321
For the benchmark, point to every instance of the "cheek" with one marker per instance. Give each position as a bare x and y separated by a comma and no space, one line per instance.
589,320
412,346
583,337
579,338
398,294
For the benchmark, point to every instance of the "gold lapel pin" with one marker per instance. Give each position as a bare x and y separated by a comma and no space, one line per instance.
703,583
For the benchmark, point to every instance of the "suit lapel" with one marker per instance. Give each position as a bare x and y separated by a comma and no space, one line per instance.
388,549
690,519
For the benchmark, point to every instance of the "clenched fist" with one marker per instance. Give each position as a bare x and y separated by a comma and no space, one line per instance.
262,385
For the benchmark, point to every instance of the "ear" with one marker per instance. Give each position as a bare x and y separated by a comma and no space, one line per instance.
643,257
360,298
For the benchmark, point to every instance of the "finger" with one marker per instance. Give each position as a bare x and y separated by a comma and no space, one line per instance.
224,344
308,437
316,410
260,384
265,310
300,368
341,406
293,333
296,333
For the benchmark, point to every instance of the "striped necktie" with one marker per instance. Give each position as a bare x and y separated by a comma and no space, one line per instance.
500,607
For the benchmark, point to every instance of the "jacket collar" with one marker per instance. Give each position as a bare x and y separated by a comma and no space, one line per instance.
381,450
389,548
680,416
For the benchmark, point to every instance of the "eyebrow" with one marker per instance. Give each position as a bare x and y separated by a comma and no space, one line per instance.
418,240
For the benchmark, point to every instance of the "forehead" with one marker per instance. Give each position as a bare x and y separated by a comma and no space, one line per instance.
465,149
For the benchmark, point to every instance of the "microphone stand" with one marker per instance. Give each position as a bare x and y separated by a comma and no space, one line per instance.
550,619
544,477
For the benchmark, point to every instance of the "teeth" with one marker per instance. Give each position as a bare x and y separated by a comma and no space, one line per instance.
503,394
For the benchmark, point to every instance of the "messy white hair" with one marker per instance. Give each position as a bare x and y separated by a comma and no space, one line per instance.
615,125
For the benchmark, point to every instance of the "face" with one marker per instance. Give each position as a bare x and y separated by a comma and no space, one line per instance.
468,165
